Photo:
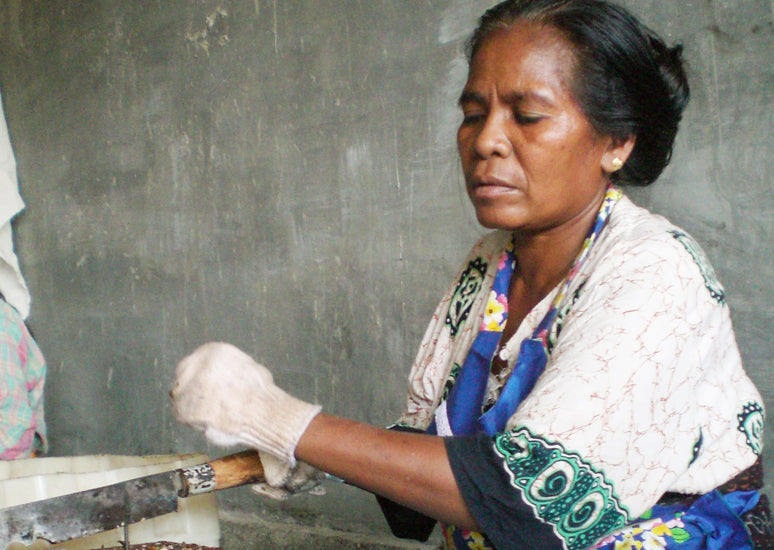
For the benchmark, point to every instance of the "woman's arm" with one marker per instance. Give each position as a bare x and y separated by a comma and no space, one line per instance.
408,468
222,391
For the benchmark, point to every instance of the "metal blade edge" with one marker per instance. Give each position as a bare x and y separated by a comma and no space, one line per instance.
76,515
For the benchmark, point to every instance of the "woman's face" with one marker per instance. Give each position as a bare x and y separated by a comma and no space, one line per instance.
531,160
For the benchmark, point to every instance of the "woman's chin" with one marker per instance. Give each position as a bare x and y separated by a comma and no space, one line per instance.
497,219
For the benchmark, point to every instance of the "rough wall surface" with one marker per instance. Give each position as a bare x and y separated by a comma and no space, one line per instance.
282,175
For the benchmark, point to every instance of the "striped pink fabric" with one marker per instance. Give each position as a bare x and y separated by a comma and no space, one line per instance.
22,377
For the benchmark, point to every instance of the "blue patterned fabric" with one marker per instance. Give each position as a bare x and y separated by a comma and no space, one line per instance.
711,523
463,405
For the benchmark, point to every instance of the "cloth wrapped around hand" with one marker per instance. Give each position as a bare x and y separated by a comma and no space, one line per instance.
284,481
222,391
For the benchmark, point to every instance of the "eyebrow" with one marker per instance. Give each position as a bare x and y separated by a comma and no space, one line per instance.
470,96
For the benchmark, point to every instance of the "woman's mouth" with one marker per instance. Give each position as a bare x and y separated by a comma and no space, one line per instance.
485,189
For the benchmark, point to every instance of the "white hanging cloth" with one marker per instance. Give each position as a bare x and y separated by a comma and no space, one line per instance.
12,284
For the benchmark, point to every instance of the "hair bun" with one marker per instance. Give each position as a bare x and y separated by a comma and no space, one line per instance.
672,68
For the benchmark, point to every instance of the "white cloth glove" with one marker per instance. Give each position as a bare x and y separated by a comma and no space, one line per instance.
220,390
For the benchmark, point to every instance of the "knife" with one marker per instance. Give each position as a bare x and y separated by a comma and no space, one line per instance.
76,515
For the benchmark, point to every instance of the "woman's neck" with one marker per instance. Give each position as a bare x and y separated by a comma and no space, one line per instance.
545,258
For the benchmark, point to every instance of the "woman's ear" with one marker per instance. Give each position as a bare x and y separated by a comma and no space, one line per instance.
617,154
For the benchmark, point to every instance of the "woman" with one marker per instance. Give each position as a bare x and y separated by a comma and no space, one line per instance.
582,370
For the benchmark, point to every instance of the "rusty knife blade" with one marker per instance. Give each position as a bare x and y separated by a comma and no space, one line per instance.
75,515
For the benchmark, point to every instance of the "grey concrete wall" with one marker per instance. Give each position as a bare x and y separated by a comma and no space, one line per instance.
282,175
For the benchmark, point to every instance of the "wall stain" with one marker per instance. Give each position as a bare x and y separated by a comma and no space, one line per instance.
215,31
721,35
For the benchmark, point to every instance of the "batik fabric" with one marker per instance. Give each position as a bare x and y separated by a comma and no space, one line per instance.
641,393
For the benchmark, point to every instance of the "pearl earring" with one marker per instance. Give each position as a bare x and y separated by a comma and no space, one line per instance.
617,164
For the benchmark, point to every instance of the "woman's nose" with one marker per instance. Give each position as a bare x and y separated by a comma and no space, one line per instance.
492,139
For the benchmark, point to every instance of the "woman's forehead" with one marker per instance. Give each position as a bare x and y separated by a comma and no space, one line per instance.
522,59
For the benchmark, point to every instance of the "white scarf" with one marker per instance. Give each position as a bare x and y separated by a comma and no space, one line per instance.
12,285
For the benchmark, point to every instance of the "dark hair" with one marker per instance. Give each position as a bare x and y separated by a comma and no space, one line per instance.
627,80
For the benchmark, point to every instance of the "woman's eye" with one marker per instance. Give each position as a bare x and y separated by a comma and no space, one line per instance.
472,117
526,118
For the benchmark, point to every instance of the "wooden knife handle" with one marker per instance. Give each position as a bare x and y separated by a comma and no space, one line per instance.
222,473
